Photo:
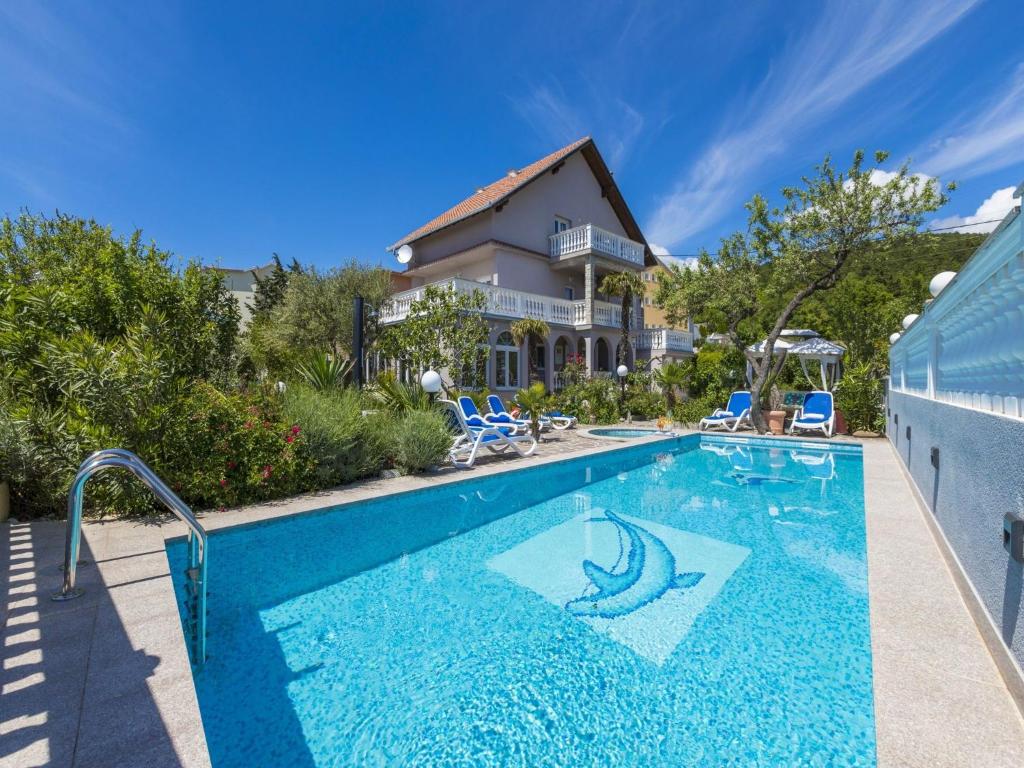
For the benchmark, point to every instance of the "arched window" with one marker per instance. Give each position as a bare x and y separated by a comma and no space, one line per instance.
602,355
506,362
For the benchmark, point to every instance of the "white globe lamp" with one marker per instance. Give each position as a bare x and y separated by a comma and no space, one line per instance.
894,338
909,320
622,371
939,282
404,254
431,382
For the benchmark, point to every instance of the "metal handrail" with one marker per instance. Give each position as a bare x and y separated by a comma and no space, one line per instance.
197,565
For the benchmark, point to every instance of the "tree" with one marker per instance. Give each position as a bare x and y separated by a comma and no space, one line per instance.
670,377
97,282
444,330
720,293
831,220
826,226
270,290
531,330
315,314
627,285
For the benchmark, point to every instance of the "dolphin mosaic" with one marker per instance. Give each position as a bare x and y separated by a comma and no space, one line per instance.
650,572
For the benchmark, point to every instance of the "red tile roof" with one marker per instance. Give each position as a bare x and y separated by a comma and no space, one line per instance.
492,194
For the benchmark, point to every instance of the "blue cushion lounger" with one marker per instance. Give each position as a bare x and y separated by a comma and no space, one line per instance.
735,413
817,414
499,415
474,418
470,439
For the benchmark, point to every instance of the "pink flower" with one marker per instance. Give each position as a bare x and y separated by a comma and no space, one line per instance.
231,464
296,429
267,472
248,425
223,482
290,439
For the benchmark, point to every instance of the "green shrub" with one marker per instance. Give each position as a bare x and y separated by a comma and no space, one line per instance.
641,402
595,401
422,440
689,412
336,432
859,397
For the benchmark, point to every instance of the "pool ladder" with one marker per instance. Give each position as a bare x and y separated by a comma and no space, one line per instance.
195,572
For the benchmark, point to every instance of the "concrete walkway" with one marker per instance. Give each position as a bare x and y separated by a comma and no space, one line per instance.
105,681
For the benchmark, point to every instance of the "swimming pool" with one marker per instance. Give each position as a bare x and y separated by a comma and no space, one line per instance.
699,601
623,432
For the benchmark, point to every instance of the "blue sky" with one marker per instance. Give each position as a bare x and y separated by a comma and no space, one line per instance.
327,131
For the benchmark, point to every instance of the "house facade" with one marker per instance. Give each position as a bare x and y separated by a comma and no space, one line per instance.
662,341
537,242
241,283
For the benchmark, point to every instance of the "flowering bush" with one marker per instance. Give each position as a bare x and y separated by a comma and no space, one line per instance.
230,449
575,370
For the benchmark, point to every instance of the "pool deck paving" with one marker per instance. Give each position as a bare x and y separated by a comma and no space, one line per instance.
105,680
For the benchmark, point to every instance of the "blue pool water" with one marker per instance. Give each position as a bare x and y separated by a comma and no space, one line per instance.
699,601
623,432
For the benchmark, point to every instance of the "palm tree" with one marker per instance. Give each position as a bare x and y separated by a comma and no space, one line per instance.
533,400
533,330
669,377
627,285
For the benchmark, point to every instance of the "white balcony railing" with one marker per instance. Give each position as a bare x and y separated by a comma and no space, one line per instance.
967,346
504,302
579,240
658,339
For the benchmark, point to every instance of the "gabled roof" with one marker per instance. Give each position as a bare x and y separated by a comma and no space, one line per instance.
498,191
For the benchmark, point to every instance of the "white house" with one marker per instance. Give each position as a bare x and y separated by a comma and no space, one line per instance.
538,241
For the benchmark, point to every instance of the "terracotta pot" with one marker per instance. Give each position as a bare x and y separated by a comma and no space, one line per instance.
841,426
777,422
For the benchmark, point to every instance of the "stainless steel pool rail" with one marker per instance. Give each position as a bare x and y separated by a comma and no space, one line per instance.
195,573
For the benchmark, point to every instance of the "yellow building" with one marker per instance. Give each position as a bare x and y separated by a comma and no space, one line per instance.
661,341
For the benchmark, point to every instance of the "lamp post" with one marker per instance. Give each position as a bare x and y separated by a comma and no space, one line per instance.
621,371
431,383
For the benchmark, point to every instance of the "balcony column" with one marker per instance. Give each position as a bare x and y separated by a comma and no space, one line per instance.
588,353
589,289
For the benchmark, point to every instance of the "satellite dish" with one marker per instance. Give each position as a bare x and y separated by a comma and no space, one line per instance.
404,254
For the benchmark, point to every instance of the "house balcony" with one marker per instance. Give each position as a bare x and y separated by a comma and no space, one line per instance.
589,240
659,341
512,305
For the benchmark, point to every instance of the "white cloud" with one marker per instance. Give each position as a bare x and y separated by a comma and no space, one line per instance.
849,47
991,212
666,257
559,120
983,140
